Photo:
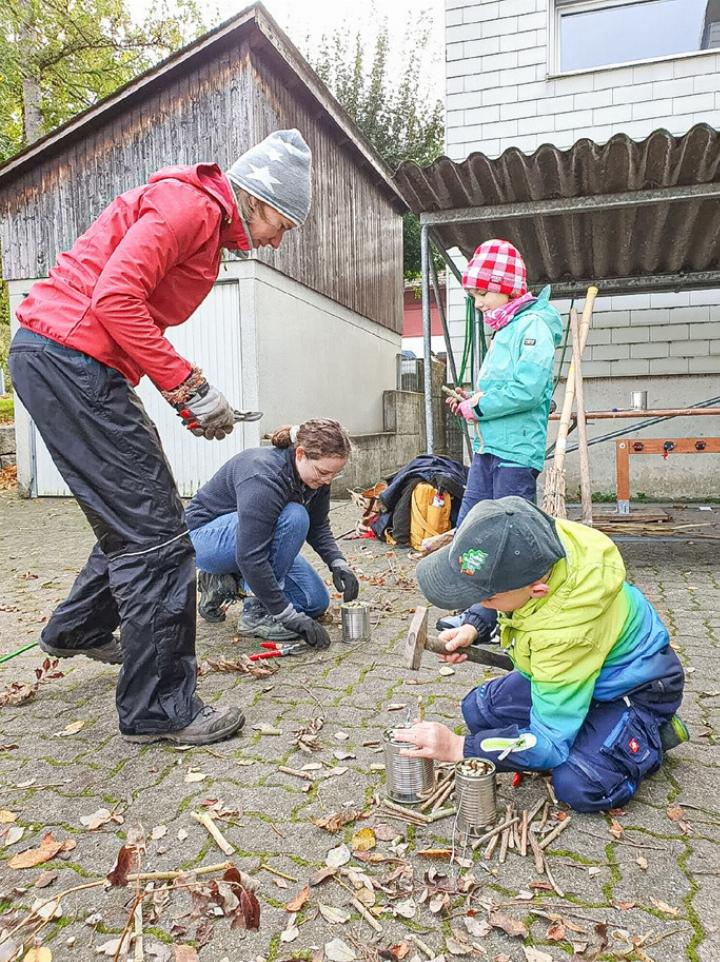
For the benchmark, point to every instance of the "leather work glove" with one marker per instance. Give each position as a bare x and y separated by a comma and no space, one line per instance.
344,579
309,630
206,413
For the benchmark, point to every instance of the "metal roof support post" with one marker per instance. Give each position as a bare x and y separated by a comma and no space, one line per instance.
448,344
427,335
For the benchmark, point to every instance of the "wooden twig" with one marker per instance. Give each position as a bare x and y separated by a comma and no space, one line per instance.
421,945
296,773
372,922
545,813
418,816
139,953
274,871
524,833
535,809
444,795
551,836
551,880
492,845
493,831
437,814
169,876
511,828
433,793
206,820
551,791
537,853
504,842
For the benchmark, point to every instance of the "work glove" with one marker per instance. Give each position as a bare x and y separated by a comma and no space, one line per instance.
206,413
344,579
309,630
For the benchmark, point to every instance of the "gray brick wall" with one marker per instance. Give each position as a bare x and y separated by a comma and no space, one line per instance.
500,94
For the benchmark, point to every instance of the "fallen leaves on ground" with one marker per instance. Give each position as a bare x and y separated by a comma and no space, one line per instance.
72,729
616,829
339,951
17,693
241,665
664,907
363,840
334,822
307,738
11,835
99,818
296,903
338,856
38,953
185,953
509,925
49,848
535,955
332,914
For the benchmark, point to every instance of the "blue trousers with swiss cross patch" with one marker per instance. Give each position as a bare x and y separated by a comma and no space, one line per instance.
617,746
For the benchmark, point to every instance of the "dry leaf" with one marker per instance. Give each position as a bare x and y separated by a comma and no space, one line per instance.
12,835
455,947
182,834
322,875
185,953
664,907
49,847
509,925
675,813
338,856
535,955
39,953
16,694
44,879
339,951
407,908
160,831
333,823
446,670
290,933
195,776
6,817
47,909
556,932
295,904
616,829
363,840
396,706
72,729
385,832
126,862
341,736
333,915
99,818
642,862
267,730
478,928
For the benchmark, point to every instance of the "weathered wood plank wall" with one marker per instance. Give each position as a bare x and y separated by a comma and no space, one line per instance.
350,249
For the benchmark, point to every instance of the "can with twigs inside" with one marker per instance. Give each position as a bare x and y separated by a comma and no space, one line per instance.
475,795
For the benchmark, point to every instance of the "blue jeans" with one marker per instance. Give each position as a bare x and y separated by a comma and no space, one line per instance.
215,552
604,768
491,478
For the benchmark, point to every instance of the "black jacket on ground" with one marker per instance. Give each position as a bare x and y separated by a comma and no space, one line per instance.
258,483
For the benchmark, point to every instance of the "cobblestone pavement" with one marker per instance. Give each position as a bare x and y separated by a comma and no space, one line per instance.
655,886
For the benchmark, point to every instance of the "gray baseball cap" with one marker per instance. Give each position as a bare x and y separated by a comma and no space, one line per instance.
278,171
501,545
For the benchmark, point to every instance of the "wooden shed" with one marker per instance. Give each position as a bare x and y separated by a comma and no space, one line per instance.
311,329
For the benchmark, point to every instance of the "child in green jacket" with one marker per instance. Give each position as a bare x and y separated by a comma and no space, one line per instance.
596,684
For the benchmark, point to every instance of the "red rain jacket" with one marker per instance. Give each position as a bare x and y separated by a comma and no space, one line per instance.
144,265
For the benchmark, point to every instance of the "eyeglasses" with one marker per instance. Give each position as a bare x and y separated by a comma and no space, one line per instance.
325,476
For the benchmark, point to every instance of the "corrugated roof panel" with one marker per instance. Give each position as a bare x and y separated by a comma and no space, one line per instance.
666,238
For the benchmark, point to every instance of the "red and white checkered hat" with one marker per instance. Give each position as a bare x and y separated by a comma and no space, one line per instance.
497,266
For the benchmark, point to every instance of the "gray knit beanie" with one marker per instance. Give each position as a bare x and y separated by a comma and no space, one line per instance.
277,171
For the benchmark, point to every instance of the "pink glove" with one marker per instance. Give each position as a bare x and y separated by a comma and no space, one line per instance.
466,408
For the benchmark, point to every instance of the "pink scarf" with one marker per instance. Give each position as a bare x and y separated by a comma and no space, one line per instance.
500,316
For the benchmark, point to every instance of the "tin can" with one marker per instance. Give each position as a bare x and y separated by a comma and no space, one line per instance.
408,779
638,400
475,795
355,616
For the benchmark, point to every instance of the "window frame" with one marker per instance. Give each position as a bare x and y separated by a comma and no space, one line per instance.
555,11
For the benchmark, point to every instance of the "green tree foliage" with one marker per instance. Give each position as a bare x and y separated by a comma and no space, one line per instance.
387,104
58,57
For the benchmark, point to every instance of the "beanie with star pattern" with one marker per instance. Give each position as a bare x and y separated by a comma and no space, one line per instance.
277,171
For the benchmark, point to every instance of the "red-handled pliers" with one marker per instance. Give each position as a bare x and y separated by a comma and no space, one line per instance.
274,650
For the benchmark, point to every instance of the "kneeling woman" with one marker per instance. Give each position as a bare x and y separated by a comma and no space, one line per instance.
250,521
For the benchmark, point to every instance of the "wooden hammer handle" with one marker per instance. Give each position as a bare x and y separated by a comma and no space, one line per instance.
475,653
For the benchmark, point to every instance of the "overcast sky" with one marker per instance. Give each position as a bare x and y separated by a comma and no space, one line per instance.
312,18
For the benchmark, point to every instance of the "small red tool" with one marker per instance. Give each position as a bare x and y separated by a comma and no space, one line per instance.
516,779
275,650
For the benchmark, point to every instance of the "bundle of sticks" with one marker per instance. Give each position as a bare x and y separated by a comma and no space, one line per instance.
519,832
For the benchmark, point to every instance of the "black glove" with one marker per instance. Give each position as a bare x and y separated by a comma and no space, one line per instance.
309,630
206,413
344,580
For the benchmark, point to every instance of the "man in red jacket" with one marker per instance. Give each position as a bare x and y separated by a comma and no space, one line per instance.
88,334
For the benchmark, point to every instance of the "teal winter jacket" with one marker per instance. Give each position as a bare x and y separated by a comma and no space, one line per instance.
516,380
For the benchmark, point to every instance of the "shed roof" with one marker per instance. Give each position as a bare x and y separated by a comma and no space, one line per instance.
253,24
627,215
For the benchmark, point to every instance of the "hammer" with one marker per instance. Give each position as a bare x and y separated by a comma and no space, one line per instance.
417,642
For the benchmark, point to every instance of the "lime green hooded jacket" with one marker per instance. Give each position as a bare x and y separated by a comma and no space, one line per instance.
593,636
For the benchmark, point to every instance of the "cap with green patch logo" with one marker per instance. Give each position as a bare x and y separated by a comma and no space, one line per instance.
501,545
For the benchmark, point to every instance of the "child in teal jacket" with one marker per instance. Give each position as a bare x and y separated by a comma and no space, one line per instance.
512,402
510,409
